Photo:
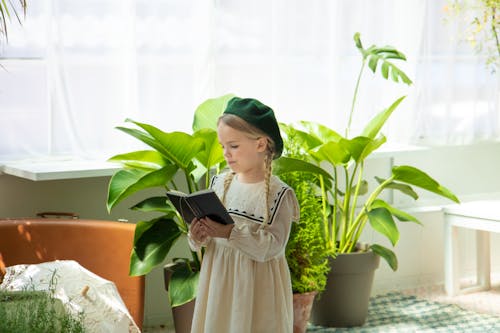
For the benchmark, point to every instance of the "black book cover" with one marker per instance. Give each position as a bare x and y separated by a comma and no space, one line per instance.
204,203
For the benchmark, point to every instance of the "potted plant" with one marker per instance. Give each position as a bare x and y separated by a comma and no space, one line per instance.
345,216
306,250
176,160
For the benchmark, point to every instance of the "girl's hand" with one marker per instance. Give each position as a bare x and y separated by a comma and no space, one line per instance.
197,230
214,229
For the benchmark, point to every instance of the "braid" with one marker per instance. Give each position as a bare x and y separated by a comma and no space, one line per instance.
227,182
268,161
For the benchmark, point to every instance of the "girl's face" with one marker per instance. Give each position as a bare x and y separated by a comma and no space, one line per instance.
243,154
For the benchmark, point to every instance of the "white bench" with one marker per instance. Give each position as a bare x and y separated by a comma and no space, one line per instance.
482,216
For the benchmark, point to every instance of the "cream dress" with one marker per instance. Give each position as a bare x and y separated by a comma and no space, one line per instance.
245,283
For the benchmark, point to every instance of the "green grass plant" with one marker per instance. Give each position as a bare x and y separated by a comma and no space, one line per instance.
36,311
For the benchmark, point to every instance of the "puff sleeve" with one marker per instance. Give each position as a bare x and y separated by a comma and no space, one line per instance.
262,244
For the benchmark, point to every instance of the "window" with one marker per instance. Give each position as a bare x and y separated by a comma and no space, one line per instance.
75,70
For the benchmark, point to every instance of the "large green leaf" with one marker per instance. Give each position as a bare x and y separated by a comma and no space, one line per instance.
403,188
361,147
178,147
388,68
388,255
381,220
414,176
373,127
152,241
128,181
323,133
213,153
207,113
183,285
355,146
143,159
373,145
289,164
306,140
399,214
142,136
332,152
155,204
375,54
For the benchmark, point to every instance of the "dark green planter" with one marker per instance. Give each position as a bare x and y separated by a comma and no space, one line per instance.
344,303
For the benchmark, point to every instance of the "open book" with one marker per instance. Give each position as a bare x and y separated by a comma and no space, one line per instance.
204,203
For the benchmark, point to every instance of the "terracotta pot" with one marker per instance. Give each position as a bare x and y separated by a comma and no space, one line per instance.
302,304
182,315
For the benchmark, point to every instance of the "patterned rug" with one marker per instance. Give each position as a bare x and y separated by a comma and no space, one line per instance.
395,312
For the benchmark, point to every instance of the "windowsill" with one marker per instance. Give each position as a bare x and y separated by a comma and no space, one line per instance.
392,149
57,168
54,168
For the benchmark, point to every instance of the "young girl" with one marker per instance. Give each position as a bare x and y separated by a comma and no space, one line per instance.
245,282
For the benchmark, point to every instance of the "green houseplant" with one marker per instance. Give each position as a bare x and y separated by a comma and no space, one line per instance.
343,158
347,204
175,160
306,250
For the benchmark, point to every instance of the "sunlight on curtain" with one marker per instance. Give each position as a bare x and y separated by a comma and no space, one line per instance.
77,69
457,95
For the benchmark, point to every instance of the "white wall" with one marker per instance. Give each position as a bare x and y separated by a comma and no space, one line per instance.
470,172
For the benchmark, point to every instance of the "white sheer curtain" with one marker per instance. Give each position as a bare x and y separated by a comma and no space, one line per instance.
457,95
77,69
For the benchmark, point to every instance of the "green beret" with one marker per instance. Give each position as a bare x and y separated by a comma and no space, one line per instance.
259,115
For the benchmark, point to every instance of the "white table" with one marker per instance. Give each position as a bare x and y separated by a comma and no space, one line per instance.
483,217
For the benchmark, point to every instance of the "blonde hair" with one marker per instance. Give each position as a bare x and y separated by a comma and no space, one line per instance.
253,132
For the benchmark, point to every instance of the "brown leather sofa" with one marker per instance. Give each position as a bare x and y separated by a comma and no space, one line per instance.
103,247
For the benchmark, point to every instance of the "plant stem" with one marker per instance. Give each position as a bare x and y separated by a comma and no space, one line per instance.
207,178
345,211
335,208
326,230
356,191
355,196
354,99
190,182
361,218
197,257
